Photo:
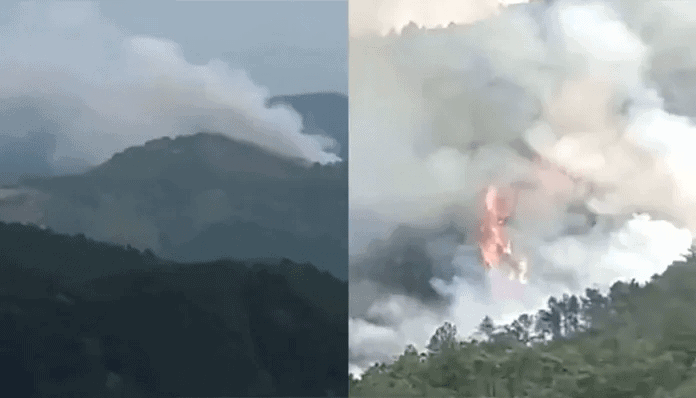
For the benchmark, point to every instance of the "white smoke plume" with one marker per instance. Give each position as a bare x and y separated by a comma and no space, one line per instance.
586,105
86,89
382,16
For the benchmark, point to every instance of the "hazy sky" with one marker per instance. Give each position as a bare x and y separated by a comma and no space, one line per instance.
289,46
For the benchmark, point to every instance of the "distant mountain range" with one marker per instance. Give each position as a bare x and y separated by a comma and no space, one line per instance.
206,197
80,315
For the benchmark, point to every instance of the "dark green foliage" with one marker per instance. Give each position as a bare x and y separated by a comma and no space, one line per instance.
203,197
444,338
220,328
637,341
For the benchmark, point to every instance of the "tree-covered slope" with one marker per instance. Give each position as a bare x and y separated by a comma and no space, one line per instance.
636,341
200,198
78,313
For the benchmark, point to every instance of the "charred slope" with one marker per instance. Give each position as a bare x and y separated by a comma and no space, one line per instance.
156,328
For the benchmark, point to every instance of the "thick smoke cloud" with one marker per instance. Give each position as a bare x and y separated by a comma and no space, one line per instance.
585,105
95,91
382,16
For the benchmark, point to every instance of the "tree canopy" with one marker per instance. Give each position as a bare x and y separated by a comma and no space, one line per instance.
638,340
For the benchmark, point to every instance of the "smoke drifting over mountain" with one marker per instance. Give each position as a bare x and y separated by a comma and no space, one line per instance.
586,104
94,90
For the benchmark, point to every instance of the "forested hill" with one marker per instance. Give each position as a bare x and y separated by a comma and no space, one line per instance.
636,341
78,313
200,198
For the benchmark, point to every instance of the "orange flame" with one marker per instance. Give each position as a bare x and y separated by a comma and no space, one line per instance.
493,241
499,204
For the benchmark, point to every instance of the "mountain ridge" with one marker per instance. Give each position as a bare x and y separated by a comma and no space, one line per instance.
170,193
168,328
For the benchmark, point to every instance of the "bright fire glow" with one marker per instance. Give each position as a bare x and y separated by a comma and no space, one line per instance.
499,204
494,242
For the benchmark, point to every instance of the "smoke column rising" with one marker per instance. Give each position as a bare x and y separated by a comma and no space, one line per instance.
93,90
585,103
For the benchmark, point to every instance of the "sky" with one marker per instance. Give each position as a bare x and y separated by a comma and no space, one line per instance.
585,106
289,46
81,81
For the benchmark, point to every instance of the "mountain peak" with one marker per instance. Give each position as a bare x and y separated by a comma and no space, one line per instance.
201,151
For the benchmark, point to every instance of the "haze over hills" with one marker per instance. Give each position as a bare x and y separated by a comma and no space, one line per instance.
163,328
170,198
201,198
200,234
217,278
30,132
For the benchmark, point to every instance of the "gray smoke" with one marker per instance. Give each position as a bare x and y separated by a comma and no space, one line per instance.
600,89
75,89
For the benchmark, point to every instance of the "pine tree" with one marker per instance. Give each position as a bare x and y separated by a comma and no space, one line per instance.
487,327
445,336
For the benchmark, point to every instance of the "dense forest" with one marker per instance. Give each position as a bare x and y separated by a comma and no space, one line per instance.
199,198
638,340
91,319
